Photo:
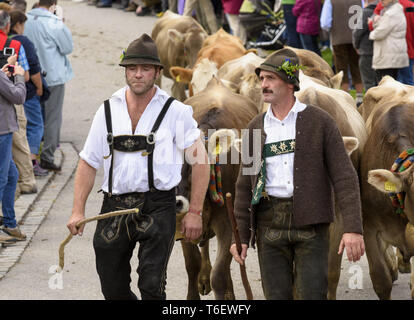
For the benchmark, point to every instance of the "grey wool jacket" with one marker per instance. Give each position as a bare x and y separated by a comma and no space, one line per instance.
322,169
10,94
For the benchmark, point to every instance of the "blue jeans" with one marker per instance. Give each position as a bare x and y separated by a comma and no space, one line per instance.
8,180
405,75
310,42
34,128
292,35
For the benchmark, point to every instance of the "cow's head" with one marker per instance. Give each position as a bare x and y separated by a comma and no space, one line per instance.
394,182
218,144
203,72
191,41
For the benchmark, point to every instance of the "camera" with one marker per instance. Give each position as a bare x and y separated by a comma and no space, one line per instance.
10,68
7,51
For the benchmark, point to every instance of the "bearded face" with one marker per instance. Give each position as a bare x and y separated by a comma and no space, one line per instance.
141,78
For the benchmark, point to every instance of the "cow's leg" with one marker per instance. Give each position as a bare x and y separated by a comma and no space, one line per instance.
378,268
220,276
204,286
192,259
403,266
178,91
391,260
334,259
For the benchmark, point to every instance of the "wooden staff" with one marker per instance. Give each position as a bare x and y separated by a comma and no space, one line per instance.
243,273
84,221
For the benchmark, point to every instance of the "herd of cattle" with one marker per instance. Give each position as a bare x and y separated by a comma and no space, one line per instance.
225,95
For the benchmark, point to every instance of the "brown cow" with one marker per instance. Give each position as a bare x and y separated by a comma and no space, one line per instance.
216,107
178,39
391,119
317,67
217,49
352,128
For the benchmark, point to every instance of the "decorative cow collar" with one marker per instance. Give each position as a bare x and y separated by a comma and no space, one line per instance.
403,162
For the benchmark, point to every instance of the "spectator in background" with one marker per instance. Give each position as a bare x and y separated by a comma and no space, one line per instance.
307,25
231,9
293,39
204,8
20,146
390,45
10,94
34,88
405,75
364,46
19,5
335,17
53,42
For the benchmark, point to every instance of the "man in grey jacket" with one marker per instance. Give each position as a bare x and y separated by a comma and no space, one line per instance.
53,42
10,94
364,46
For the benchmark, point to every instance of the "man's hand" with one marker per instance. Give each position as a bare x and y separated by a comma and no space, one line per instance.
191,226
39,91
12,59
354,245
240,258
74,219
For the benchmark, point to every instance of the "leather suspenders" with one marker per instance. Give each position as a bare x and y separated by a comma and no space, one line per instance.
133,143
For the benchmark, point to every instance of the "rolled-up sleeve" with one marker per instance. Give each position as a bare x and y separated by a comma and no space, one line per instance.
186,129
95,145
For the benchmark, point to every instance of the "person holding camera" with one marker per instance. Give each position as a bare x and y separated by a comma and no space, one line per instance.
10,94
34,87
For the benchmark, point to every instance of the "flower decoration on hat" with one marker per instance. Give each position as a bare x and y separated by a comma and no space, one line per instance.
123,54
289,68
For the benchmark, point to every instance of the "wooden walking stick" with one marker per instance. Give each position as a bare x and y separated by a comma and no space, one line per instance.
84,221
230,211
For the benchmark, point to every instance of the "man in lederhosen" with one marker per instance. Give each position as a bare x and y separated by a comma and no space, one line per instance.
287,204
140,135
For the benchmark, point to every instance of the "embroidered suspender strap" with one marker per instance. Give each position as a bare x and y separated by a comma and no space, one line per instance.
151,143
110,140
270,150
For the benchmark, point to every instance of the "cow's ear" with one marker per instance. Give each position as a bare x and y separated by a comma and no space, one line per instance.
182,75
351,144
385,181
175,35
336,80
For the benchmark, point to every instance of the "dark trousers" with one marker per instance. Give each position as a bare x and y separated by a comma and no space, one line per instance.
380,73
290,19
291,257
367,73
310,42
115,239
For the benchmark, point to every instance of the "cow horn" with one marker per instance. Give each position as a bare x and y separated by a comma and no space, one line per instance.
213,148
182,204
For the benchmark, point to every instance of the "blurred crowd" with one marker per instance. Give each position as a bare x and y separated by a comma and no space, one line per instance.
33,56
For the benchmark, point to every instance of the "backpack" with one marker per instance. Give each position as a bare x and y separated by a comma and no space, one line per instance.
5,45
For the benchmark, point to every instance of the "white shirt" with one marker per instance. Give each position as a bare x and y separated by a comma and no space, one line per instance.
279,169
178,131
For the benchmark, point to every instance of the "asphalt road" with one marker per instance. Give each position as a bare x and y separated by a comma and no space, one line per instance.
99,36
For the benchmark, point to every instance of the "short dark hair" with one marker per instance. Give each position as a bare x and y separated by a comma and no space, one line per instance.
47,3
19,5
16,16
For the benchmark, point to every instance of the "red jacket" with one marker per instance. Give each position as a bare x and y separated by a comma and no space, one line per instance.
409,16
